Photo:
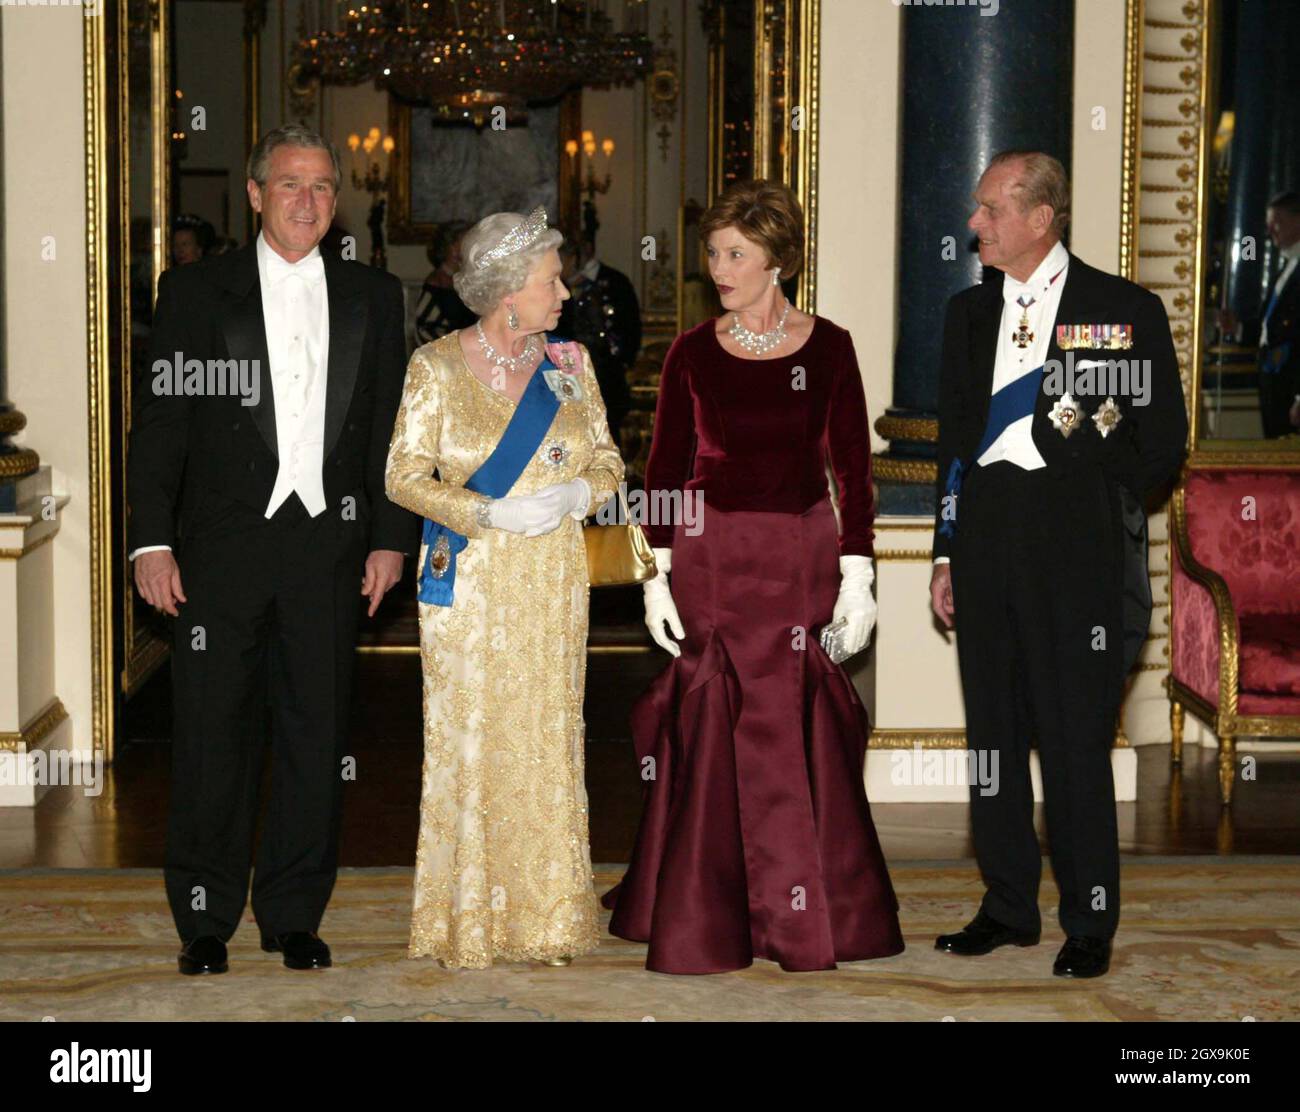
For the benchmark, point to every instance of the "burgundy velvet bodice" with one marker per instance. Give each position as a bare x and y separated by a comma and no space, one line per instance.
759,434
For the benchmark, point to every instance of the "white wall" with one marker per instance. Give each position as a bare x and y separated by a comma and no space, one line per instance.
858,173
45,304
1098,132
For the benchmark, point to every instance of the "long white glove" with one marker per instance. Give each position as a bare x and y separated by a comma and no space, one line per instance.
855,602
659,605
535,514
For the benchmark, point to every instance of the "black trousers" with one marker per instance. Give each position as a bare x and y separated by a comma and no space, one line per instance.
270,619
1037,589
1277,390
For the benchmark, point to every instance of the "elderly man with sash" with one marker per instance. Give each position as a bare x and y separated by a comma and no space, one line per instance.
1060,414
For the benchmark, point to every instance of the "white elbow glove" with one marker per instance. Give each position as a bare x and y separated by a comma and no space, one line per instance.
659,605
855,603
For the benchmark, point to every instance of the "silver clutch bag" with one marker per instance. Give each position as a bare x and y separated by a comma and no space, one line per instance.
832,640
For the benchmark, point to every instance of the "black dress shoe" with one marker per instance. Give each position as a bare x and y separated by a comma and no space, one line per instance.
1082,957
982,935
301,949
205,954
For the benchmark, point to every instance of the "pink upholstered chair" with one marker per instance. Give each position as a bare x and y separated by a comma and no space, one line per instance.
1234,646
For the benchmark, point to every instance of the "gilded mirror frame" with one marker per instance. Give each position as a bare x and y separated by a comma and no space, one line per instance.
123,653
782,30
1172,59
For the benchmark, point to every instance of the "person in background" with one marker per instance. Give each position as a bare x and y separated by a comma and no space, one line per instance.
1277,328
604,315
192,239
440,309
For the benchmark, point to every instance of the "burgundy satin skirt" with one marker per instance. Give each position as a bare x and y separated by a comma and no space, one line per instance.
756,839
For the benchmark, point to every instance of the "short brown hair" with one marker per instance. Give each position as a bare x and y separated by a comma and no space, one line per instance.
766,212
1042,182
290,135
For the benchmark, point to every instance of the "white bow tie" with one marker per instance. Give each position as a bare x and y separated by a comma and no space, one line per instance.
311,269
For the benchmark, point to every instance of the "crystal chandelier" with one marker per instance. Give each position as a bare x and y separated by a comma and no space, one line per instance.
466,57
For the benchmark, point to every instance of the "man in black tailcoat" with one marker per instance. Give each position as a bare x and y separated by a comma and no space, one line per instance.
1060,413
255,482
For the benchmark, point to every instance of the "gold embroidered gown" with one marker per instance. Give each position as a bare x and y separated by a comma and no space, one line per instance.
503,863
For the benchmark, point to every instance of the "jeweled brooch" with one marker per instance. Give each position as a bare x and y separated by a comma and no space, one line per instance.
440,560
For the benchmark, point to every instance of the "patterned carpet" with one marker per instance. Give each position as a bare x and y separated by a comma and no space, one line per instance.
1200,938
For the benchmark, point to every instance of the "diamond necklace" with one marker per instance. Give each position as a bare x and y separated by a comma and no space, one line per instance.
759,343
513,364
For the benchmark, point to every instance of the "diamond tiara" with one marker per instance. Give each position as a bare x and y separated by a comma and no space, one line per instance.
519,237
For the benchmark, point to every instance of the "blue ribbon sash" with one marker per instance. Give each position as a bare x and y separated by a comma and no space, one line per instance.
495,476
1014,401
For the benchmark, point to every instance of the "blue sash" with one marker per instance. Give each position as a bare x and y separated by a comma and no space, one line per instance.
494,477
1014,401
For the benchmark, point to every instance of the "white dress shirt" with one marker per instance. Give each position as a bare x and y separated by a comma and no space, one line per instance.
1016,442
295,307
295,310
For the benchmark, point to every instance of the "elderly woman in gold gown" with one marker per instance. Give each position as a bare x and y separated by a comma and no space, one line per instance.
503,863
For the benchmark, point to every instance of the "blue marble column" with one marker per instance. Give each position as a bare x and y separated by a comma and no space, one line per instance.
973,84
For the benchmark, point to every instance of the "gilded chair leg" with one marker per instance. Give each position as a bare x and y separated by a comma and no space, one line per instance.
1227,768
1175,733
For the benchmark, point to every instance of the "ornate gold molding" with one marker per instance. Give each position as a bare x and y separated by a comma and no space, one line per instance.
905,555
95,59
909,739
908,428
15,465
35,731
905,470
19,553
942,739
810,49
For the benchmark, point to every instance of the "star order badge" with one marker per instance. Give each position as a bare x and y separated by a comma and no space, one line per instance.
555,453
1065,415
1106,417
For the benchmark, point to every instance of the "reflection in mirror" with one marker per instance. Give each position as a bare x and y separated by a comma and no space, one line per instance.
1250,380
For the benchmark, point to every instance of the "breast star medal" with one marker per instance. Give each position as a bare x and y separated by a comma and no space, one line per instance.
555,453
1106,417
1022,336
1065,415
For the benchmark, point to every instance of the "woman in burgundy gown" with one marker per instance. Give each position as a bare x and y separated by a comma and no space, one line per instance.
756,838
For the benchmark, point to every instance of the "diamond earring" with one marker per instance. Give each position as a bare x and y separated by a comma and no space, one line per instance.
513,320
776,277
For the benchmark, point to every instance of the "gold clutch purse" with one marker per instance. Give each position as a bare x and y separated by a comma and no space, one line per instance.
618,555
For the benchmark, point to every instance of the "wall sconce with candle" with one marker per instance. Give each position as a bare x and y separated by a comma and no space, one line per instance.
375,181
588,184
